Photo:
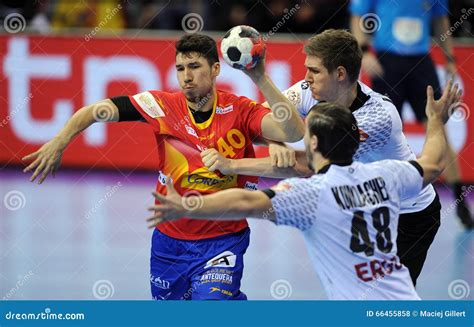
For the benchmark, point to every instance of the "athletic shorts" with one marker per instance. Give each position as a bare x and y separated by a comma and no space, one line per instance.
405,79
209,269
416,232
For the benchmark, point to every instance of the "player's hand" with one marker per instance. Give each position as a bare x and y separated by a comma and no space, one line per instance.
371,65
282,156
171,206
213,160
446,105
258,72
46,160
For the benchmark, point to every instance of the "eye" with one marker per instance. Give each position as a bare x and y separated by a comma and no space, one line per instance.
179,69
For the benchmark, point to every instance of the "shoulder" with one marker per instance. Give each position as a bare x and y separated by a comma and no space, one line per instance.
377,101
378,110
390,166
225,99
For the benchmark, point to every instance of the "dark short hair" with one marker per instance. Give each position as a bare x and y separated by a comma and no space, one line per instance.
200,43
336,48
336,129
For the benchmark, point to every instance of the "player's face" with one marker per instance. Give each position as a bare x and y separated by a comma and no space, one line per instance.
195,76
322,83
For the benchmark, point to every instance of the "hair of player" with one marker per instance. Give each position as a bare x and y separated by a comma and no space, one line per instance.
200,43
336,129
336,48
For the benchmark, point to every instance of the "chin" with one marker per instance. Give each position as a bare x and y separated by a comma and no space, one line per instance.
190,95
316,96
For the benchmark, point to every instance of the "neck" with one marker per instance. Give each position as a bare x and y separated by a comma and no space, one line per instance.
319,162
347,96
204,104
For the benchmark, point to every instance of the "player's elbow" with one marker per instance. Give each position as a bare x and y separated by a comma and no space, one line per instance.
295,134
252,203
432,170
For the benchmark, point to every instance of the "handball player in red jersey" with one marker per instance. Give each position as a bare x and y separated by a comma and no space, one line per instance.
192,259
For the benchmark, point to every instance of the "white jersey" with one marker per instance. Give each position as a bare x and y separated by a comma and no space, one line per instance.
349,217
380,128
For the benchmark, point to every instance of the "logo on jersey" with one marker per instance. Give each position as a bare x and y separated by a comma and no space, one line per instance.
293,96
191,131
222,111
217,275
225,259
160,283
304,85
217,289
202,179
282,186
250,186
148,103
162,178
363,136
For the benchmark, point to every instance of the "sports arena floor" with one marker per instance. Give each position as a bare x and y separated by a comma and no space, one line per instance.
83,235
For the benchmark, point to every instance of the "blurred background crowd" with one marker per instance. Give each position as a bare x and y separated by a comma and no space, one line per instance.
312,16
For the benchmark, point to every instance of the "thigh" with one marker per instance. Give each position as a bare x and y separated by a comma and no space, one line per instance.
168,273
219,275
416,232
423,73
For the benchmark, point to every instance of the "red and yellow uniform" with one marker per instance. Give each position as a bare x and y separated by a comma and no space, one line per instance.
234,123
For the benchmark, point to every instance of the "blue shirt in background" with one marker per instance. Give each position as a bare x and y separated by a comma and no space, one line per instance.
403,25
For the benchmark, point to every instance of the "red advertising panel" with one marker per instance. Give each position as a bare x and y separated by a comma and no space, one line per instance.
45,79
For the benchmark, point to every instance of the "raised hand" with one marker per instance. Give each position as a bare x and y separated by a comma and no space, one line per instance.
444,106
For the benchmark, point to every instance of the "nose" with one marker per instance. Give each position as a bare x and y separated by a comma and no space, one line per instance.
307,77
188,76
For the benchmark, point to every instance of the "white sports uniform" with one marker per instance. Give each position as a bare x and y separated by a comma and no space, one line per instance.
349,217
381,132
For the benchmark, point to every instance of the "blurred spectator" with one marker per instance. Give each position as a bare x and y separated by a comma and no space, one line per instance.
307,16
106,14
32,11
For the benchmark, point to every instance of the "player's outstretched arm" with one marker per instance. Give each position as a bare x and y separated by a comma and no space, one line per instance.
48,157
433,156
284,123
232,204
261,167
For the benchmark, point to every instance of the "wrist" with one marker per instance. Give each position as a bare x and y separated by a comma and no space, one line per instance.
232,166
63,140
260,79
435,118
450,58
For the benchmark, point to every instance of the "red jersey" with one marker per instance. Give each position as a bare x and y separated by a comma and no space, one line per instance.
234,123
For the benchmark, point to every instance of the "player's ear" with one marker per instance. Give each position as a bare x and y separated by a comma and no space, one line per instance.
341,73
215,69
313,143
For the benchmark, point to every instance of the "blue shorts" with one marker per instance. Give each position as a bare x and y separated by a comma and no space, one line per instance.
209,269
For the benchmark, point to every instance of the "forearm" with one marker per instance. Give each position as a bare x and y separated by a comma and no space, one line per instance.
432,158
262,167
441,27
361,37
104,110
286,117
231,204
